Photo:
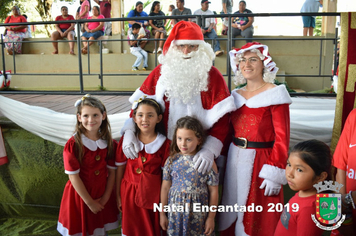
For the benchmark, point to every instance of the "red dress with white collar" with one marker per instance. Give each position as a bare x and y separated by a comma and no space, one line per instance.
262,118
137,220
75,217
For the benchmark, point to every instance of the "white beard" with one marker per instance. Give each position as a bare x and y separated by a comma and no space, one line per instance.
184,78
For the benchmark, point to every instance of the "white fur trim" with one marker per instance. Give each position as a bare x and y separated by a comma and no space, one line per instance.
72,172
275,96
188,41
111,167
207,117
214,145
98,231
237,184
273,173
153,146
120,163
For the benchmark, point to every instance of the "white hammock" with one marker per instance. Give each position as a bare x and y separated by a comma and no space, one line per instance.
310,118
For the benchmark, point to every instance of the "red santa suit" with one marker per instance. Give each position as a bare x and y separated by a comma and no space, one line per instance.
211,107
262,118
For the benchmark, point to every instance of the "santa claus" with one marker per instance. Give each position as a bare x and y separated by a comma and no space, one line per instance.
186,83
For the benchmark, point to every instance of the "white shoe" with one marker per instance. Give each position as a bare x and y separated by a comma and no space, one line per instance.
159,50
218,53
154,51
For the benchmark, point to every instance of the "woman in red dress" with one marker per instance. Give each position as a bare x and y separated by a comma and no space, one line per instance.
88,204
258,152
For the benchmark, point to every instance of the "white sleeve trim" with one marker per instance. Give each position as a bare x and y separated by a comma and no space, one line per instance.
273,173
111,167
120,163
72,172
214,145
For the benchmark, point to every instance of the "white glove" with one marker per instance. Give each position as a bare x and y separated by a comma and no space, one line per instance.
203,160
130,145
271,188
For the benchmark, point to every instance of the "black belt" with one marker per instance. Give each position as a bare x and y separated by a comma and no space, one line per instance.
243,143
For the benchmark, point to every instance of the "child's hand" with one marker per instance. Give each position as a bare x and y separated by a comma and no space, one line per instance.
163,221
95,206
209,226
118,202
104,199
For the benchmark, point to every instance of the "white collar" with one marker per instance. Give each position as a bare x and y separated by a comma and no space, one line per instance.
274,96
154,146
93,145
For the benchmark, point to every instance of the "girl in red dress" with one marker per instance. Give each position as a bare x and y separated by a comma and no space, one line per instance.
88,202
138,181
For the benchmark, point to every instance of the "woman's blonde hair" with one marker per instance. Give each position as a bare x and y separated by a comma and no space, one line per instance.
104,130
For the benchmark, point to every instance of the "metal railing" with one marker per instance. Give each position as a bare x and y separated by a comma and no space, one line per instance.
200,19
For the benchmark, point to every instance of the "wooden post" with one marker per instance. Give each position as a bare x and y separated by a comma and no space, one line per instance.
117,11
329,22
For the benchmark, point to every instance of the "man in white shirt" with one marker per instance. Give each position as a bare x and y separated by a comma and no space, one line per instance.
208,26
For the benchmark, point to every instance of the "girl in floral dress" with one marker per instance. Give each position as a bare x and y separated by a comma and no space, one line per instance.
184,188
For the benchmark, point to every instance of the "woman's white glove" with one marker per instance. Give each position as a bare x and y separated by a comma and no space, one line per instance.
130,145
271,188
203,160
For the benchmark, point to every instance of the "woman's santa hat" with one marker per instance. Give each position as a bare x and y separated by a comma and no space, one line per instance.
236,53
184,32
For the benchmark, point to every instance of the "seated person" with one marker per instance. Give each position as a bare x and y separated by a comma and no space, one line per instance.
64,30
208,27
242,25
136,49
14,33
158,29
93,30
180,10
138,11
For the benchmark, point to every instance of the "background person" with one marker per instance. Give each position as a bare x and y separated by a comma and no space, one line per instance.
179,11
137,12
242,25
158,29
105,10
345,165
226,9
208,28
93,30
28,33
64,31
309,21
136,49
14,33
256,161
83,12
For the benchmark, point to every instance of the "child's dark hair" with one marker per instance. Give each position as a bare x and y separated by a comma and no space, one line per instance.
104,131
154,4
190,123
136,26
316,154
159,128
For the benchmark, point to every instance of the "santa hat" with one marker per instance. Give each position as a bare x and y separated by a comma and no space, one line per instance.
267,61
184,32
